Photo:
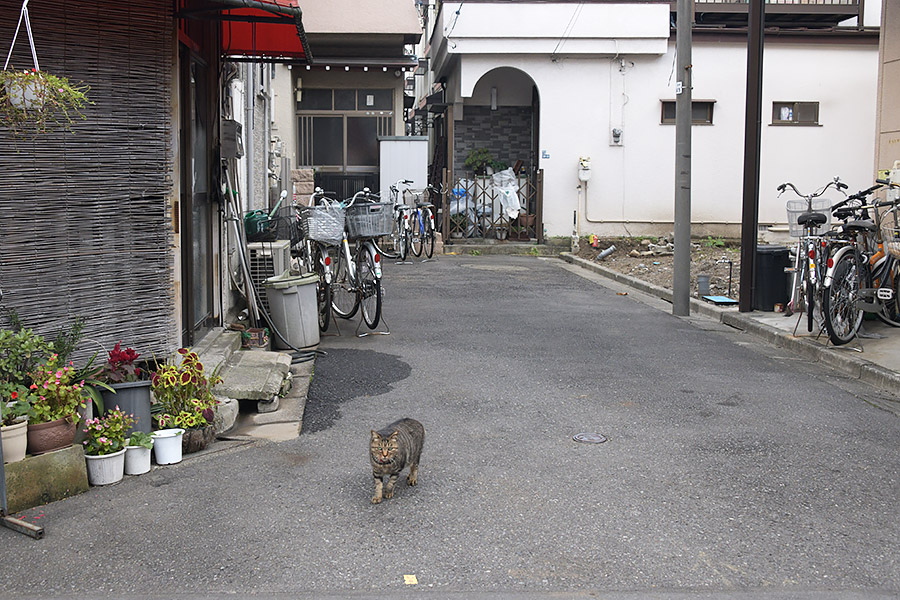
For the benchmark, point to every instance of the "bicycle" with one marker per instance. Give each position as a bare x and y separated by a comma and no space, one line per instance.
356,281
322,225
401,233
809,219
861,277
423,229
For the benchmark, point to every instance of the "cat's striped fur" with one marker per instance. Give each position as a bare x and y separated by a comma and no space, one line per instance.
393,448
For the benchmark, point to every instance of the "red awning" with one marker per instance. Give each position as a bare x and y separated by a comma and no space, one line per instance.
256,29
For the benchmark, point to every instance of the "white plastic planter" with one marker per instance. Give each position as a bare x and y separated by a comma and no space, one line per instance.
167,446
137,460
106,469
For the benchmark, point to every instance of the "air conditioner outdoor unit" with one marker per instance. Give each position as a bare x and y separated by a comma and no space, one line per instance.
268,259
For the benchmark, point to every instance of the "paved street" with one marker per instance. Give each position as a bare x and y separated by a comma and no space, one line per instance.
731,468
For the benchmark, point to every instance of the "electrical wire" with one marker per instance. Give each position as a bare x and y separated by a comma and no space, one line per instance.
567,32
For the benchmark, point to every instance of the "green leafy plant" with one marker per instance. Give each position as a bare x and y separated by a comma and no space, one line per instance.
533,251
714,242
183,393
12,411
475,252
56,393
499,165
479,159
106,435
21,350
140,439
32,101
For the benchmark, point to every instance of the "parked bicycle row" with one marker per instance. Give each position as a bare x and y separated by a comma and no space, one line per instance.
847,258
344,241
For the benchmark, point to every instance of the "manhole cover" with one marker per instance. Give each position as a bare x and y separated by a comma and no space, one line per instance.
589,438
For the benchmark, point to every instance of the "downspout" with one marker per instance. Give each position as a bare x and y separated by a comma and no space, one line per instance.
249,99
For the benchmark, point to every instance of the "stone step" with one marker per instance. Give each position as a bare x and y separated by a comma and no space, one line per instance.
496,247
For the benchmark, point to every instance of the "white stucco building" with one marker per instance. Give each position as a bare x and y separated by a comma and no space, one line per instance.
549,83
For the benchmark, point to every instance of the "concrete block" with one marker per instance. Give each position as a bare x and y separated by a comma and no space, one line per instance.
226,413
268,406
254,375
46,478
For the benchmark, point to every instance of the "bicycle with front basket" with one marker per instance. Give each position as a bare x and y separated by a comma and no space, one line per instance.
356,280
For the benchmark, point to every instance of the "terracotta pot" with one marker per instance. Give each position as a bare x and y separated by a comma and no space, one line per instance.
15,440
55,435
195,440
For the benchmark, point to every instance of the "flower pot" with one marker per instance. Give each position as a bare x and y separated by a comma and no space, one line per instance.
137,460
55,435
25,97
106,469
132,398
167,446
195,440
15,441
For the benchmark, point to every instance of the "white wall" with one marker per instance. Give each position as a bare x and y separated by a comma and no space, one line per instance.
632,188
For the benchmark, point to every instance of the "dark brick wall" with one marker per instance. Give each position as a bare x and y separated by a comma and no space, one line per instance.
506,132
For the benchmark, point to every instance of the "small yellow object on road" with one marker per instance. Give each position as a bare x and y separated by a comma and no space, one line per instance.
410,580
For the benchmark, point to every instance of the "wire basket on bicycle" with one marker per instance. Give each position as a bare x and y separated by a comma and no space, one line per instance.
323,223
369,219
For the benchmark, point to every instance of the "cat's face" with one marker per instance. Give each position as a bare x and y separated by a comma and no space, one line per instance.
384,449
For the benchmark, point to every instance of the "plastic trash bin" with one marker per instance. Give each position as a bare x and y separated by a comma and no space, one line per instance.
771,283
292,304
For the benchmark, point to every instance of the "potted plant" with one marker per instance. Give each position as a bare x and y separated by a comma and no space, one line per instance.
184,400
104,447
57,397
128,389
479,160
13,423
33,101
458,225
137,453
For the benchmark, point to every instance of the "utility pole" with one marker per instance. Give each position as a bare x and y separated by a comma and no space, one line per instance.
681,283
752,135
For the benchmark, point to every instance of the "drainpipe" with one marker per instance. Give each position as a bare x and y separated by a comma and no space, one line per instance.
249,98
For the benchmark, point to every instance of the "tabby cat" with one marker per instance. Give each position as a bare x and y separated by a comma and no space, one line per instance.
393,448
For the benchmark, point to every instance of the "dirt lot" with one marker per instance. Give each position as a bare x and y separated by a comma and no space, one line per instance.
651,260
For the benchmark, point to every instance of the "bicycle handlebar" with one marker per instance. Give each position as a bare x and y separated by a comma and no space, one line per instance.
836,182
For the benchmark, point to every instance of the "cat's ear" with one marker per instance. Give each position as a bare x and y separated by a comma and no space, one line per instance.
394,435
375,436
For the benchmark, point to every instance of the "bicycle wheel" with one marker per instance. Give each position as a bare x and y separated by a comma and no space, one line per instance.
369,288
392,250
403,240
429,234
323,291
344,299
842,313
889,278
810,303
417,231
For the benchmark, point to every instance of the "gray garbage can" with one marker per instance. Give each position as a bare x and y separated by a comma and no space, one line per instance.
292,304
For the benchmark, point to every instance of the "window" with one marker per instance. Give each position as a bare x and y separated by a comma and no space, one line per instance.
339,128
701,112
795,113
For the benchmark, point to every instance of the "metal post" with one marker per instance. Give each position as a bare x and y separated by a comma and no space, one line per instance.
752,134
681,284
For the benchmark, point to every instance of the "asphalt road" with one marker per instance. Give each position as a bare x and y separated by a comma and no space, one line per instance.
730,470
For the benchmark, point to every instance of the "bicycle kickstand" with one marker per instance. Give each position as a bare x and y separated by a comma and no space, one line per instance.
368,333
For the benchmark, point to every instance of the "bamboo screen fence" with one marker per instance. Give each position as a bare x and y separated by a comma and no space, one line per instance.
84,219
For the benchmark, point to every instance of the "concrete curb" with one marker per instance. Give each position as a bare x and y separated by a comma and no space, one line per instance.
840,360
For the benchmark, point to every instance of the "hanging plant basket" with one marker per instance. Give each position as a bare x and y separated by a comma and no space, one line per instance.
34,101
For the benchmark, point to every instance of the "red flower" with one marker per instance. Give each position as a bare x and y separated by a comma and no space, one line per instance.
14,395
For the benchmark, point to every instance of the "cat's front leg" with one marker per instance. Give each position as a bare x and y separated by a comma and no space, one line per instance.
389,489
376,499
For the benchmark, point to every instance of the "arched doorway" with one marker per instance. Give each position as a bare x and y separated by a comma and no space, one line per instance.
496,132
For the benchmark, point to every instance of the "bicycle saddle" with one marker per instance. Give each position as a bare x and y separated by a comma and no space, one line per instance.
424,205
862,224
812,218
